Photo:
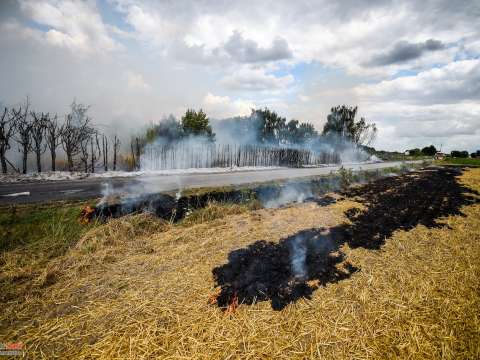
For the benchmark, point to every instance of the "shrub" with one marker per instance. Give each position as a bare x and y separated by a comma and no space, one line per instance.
346,177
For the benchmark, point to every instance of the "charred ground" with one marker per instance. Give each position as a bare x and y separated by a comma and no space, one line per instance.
268,271
403,202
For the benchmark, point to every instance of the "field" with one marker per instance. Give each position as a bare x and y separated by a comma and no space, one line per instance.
462,161
398,279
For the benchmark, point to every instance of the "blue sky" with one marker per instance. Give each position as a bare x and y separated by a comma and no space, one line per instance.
411,68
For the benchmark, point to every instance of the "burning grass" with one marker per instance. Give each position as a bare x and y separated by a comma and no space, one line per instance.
142,291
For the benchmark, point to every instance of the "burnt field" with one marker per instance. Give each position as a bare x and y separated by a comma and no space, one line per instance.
388,269
293,268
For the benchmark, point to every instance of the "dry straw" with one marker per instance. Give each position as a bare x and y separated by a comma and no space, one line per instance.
138,288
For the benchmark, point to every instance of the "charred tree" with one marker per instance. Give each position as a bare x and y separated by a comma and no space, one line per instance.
133,155
23,137
84,155
53,136
116,145
7,130
38,132
137,153
76,129
94,151
105,152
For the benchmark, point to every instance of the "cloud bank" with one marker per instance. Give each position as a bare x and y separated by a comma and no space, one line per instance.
411,67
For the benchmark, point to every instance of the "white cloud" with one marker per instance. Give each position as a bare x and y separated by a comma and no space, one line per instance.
222,106
256,80
299,58
343,35
136,81
304,98
455,82
415,124
76,25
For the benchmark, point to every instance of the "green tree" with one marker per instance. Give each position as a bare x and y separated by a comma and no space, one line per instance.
415,152
459,154
168,130
429,150
306,131
271,126
341,123
299,133
197,123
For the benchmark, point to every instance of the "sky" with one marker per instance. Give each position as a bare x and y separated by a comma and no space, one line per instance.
412,67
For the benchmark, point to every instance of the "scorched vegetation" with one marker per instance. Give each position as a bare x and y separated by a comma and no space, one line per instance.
385,270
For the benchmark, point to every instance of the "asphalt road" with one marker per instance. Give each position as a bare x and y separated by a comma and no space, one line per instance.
46,191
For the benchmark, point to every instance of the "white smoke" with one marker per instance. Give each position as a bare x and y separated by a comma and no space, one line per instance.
288,194
315,242
298,257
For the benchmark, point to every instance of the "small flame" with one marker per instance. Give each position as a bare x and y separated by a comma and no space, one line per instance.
212,300
86,214
233,305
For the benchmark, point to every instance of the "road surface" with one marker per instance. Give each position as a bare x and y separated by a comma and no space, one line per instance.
89,188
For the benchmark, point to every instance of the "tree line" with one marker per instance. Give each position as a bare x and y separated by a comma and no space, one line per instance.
432,150
87,148
266,127
35,132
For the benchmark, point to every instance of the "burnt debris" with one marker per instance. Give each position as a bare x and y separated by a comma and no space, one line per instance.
293,268
281,272
403,202
166,206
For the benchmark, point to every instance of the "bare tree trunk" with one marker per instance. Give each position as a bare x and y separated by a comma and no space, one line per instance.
138,153
133,156
53,155
69,161
7,130
4,164
114,159
116,143
24,160
3,160
105,152
92,161
24,126
39,161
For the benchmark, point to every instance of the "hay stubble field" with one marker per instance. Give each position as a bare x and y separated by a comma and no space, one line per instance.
138,288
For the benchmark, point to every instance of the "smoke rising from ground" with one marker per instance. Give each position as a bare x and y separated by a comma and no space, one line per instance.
261,139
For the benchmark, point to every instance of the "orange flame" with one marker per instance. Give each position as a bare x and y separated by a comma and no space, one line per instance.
86,214
232,307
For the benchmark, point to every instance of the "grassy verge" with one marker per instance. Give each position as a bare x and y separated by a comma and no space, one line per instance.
34,225
460,161
30,237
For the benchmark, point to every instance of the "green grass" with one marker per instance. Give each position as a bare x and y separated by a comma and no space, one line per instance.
460,161
54,226
31,236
